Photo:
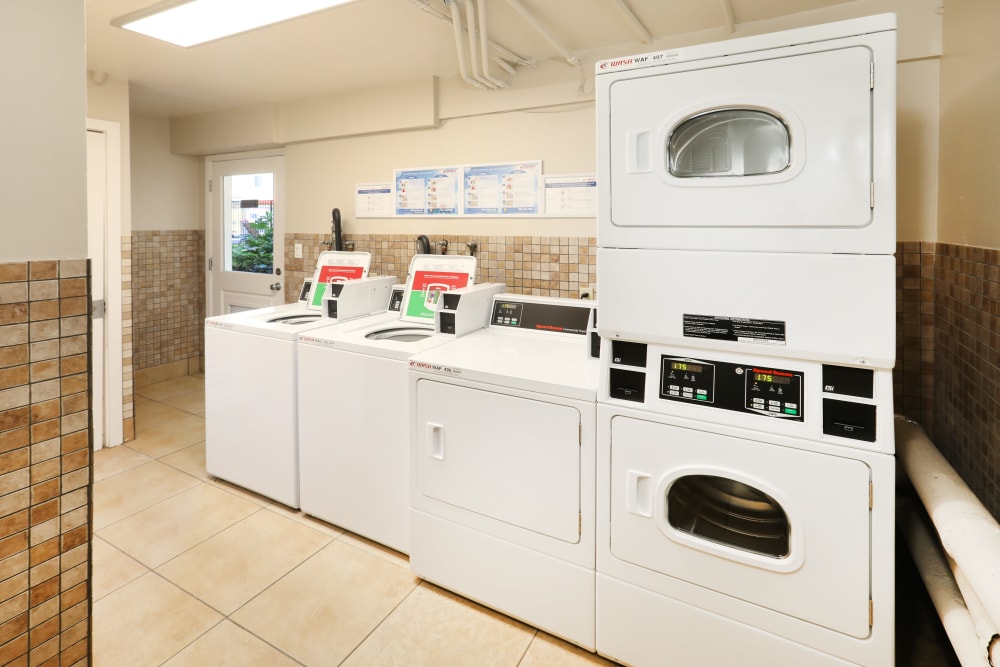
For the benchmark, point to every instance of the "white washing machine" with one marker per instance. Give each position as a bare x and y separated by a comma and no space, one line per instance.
502,481
747,504
353,432
250,388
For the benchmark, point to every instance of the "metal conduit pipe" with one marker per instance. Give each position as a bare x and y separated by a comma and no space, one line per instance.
633,22
543,31
969,534
456,24
470,22
484,55
947,599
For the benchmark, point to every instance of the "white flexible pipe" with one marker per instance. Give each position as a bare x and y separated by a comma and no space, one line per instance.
968,532
456,24
484,55
633,22
537,25
986,628
944,593
728,15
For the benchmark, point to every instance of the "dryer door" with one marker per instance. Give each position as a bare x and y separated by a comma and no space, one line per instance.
705,155
781,528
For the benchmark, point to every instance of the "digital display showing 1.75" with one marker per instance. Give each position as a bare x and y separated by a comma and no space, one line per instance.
774,379
684,366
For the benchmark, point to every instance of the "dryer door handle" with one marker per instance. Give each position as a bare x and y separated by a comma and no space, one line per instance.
435,441
639,158
639,494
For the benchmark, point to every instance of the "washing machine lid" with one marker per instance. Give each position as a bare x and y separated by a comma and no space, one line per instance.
336,266
558,365
427,278
283,322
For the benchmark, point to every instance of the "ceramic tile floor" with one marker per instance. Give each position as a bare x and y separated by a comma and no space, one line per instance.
192,571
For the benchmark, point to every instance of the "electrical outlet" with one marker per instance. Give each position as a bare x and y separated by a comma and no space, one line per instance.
298,251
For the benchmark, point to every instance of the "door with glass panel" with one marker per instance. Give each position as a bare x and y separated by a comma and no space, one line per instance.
245,236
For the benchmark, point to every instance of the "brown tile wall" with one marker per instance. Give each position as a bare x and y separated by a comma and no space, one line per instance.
966,384
45,468
539,265
168,296
913,377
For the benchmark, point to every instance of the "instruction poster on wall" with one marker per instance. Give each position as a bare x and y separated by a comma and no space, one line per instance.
571,196
373,200
427,289
503,189
428,191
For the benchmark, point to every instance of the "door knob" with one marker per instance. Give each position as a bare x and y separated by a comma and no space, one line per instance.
275,287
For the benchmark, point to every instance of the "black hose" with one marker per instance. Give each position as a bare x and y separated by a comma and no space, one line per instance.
423,245
335,231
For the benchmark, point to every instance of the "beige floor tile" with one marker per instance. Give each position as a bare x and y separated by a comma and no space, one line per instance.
192,401
435,628
170,388
391,555
190,460
229,487
301,517
548,651
150,414
146,622
110,461
226,574
322,609
128,492
228,645
168,438
112,569
169,528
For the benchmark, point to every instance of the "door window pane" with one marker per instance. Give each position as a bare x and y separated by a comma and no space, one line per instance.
729,142
730,513
249,221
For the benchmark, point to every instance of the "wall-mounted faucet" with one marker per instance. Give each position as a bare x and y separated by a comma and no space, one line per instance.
472,246
443,244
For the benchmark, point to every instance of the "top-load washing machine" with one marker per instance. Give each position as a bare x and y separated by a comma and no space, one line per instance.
746,283
250,387
502,482
353,435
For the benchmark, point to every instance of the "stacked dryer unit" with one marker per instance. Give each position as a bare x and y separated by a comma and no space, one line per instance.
746,283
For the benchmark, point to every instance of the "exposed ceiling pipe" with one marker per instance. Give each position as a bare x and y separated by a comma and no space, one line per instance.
470,22
456,24
484,55
633,21
537,25
728,15
501,50
504,65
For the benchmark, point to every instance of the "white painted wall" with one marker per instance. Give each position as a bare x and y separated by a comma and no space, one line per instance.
43,150
167,189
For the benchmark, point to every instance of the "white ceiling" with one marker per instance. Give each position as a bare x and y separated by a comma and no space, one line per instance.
372,42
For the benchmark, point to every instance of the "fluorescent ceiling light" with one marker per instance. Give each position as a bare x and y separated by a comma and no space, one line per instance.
191,22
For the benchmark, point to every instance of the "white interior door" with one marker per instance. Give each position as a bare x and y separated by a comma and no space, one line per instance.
245,239
103,248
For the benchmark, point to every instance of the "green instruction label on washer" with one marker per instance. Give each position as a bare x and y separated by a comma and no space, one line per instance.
737,329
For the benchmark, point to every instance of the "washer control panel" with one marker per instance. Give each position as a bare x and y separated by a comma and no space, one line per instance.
768,391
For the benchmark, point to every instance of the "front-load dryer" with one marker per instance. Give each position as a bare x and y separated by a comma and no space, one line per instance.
353,435
250,387
502,485
783,142
745,497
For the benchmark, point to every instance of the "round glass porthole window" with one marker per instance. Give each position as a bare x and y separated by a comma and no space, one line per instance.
729,142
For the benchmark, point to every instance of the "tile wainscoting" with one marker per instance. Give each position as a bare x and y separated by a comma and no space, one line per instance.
45,464
539,265
168,295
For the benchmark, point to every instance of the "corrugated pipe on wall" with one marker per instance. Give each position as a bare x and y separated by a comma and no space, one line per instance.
961,569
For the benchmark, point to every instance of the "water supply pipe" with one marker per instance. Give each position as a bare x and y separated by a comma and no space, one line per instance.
456,24
484,55
543,31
